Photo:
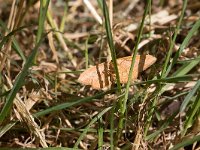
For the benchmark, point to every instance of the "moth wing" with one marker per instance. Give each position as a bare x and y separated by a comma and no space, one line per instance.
142,62
87,76
96,76
102,75
124,65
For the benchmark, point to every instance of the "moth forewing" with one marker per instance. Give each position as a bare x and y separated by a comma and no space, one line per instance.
97,76
103,75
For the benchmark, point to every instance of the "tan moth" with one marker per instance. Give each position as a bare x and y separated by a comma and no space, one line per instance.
103,75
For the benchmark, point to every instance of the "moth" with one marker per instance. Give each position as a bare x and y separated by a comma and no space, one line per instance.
103,75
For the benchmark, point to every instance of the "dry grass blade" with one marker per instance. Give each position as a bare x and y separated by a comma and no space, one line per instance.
29,120
102,75
24,115
93,11
13,23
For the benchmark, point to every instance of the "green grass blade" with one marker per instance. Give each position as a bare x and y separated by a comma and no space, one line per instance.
171,79
62,40
18,49
189,96
88,126
194,110
134,55
111,44
187,67
62,24
122,111
162,128
6,128
15,43
124,104
100,3
188,61
164,73
18,83
112,127
4,93
184,69
20,79
42,17
5,38
150,114
100,134
186,143
86,53
184,44
70,104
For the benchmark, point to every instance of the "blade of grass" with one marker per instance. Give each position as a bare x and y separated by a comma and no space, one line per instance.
86,53
189,96
194,110
92,130
162,128
100,134
184,44
164,73
171,79
18,83
111,44
62,24
20,79
100,3
88,126
15,43
123,108
6,128
5,93
184,69
134,55
42,17
112,127
44,4
187,61
150,113
63,41
186,143
18,49
70,104
187,66
5,38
